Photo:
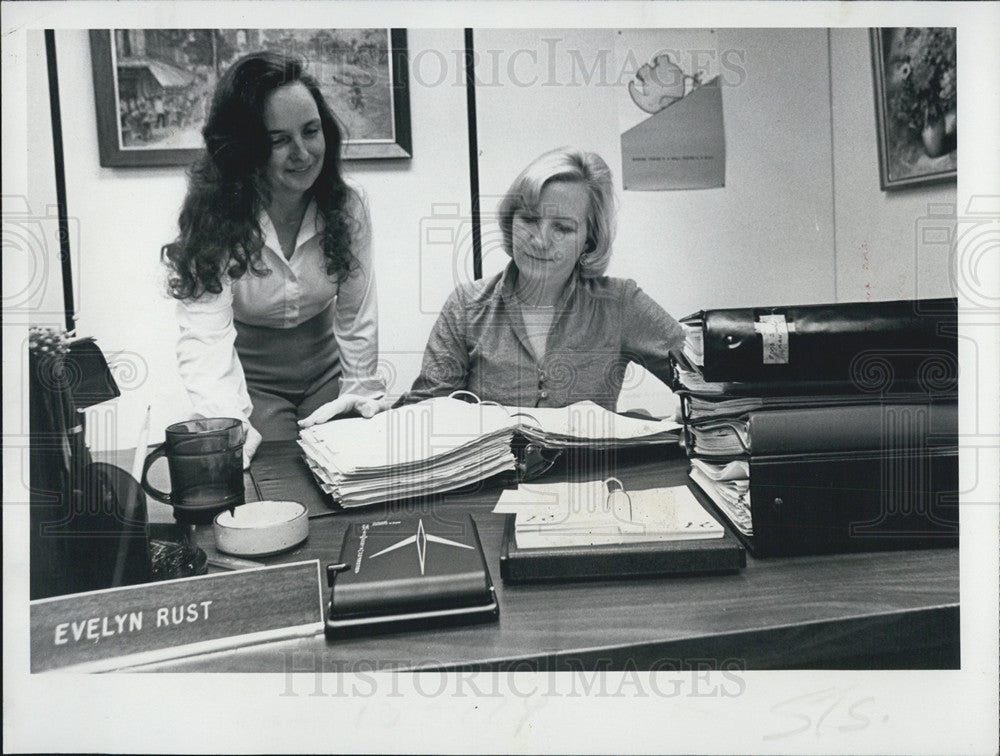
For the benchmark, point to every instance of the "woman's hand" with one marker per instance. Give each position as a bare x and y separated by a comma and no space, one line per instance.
250,445
346,403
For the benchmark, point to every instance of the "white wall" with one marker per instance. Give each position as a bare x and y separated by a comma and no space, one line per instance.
127,214
32,269
887,247
48,303
801,196
764,238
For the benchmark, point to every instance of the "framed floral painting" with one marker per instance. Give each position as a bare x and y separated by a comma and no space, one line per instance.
915,105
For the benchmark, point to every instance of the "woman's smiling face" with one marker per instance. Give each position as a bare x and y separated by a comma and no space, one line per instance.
297,142
547,242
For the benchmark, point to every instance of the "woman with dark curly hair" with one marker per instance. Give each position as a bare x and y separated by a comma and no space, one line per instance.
272,268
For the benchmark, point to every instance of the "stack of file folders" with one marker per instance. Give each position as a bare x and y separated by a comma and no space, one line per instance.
825,428
445,443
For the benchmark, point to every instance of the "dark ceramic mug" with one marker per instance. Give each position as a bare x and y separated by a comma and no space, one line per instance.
205,459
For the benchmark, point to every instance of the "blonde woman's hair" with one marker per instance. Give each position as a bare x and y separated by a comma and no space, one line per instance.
567,164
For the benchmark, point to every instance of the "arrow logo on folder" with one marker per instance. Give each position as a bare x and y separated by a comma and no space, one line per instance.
420,539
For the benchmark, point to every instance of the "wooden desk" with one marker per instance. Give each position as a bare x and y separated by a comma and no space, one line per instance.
851,611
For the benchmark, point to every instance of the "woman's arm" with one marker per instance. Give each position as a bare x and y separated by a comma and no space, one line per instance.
208,363
649,333
356,318
445,367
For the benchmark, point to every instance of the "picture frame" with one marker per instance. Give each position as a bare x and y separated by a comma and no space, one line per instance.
915,90
153,87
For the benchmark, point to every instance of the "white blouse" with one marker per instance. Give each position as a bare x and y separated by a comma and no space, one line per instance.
296,290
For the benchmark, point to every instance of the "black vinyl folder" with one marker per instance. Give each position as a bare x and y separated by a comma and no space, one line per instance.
402,573
863,426
618,561
853,342
851,501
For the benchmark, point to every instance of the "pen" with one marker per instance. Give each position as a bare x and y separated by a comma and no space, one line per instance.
232,563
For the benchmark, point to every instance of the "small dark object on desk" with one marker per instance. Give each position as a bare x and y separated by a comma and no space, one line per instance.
176,560
172,553
395,575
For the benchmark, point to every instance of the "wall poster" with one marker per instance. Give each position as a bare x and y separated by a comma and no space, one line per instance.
670,111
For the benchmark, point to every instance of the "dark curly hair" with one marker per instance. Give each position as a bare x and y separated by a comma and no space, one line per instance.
220,232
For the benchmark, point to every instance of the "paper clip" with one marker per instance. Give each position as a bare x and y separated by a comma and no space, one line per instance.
620,490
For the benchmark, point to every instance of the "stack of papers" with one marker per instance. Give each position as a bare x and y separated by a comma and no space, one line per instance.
721,438
596,513
692,380
588,425
728,486
694,343
441,444
426,448
698,409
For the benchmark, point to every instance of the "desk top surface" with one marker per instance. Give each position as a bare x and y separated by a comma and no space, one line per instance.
845,610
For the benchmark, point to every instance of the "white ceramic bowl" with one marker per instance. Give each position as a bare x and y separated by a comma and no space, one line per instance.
261,528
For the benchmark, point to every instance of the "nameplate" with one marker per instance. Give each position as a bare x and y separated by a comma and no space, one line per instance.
140,624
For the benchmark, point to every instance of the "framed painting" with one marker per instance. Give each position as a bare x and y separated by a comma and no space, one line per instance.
915,105
153,87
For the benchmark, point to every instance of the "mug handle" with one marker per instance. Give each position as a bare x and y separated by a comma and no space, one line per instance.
154,455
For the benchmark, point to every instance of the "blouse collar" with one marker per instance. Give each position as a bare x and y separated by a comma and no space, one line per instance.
508,287
312,224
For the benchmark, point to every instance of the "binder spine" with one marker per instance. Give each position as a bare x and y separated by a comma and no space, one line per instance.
880,427
864,343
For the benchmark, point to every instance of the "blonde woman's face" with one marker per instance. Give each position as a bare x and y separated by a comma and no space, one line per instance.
547,243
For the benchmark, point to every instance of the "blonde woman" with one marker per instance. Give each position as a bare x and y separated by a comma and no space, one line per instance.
551,329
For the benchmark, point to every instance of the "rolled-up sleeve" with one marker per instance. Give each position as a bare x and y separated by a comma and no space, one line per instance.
356,319
650,334
207,359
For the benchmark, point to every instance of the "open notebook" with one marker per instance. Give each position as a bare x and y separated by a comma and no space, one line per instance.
441,444
591,513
